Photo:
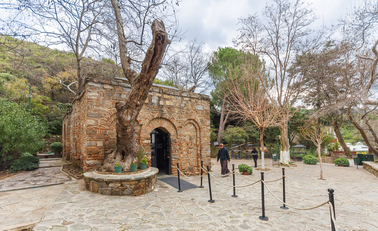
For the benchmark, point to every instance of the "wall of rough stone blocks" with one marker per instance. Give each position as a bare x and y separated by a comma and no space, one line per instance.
185,115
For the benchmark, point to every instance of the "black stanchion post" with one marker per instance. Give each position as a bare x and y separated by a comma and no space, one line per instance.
233,173
178,177
208,175
332,201
201,186
283,190
263,217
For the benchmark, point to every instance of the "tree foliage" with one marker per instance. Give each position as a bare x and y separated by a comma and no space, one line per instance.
20,132
234,135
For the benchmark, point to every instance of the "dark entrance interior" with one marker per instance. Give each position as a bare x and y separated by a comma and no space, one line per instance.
161,151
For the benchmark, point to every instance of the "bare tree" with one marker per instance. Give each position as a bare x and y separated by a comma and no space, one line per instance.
317,134
360,28
277,38
330,79
73,24
129,109
188,68
249,100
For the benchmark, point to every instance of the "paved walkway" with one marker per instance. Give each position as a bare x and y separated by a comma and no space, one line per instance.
70,207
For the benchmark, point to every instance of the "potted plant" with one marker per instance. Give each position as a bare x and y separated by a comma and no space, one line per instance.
342,161
245,169
133,167
57,148
118,168
143,163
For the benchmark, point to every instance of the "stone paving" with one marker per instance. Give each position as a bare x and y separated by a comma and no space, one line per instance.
48,174
73,208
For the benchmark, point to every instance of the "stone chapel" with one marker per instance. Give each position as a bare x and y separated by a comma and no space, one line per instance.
174,126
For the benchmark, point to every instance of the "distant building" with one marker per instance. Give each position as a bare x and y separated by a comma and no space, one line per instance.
359,148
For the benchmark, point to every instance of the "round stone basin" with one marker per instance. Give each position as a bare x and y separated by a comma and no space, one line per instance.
122,184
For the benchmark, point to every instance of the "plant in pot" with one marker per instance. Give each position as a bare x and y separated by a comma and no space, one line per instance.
143,163
245,169
342,161
133,167
118,168
57,148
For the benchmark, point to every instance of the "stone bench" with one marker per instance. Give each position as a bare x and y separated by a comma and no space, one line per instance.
123,184
371,167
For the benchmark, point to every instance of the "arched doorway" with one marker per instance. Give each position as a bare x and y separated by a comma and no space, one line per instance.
161,150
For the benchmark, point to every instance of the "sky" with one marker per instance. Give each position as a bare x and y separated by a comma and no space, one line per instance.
214,22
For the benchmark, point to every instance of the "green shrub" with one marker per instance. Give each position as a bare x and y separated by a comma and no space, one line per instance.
19,132
25,162
245,168
342,161
310,159
56,147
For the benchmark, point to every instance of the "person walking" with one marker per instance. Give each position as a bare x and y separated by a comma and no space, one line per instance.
254,156
224,157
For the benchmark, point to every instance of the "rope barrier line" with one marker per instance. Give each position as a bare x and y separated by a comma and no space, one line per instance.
291,206
273,180
191,177
332,215
241,186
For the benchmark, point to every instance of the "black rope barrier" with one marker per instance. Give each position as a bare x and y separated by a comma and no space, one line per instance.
201,186
283,190
178,177
263,217
233,179
332,201
208,175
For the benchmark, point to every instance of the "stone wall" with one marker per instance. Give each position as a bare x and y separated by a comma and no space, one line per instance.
89,128
120,184
371,167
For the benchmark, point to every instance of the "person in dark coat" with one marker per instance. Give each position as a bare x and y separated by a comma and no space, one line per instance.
254,156
224,157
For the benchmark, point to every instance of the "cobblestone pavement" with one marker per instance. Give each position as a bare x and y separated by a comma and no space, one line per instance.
49,173
356,198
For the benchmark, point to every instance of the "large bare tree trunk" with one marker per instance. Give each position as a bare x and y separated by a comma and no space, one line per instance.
223,121
336,129
362,132
128,110
285,145
320,160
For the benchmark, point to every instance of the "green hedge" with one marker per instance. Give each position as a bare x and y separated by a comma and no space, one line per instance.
310,159
245,168
56,147
342,161
25,162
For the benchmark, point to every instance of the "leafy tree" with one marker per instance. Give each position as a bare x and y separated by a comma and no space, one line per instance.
234,135
223,60
20,132
277,36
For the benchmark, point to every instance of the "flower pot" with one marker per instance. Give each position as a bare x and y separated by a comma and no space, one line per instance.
118,169
133,168
143,166
246,173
